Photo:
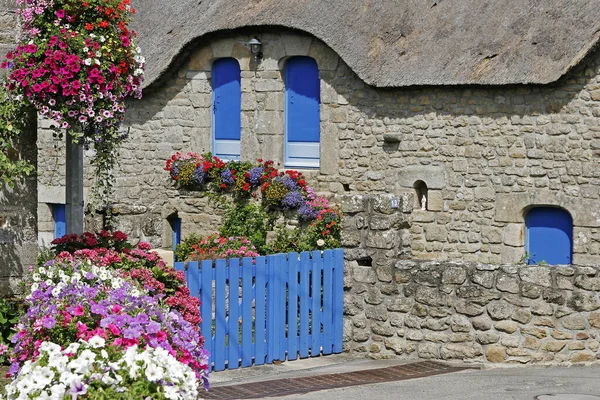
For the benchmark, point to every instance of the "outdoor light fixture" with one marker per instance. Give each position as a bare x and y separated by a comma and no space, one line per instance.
256,49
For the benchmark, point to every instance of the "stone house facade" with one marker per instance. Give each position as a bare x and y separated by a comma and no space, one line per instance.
466,142
486,154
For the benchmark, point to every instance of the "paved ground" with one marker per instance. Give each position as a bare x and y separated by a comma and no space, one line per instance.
514,383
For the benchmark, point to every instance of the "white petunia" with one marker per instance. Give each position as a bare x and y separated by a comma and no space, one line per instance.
96,342
72,348
49,347
87,61
58,390
154,373
36,277
172,393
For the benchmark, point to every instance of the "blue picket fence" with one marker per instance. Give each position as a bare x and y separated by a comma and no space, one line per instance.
278,307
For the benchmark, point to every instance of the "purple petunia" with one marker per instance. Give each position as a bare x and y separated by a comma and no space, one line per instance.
49,322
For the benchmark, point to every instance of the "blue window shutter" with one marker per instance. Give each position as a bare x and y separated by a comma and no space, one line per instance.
549,235
227,106
302,112
59,214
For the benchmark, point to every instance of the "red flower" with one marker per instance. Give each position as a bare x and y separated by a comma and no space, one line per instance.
223,186
89,27
103,24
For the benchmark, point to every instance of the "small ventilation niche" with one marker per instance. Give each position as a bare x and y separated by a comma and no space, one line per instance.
421,195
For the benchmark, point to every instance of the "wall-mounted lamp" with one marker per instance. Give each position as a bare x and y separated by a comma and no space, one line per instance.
256,49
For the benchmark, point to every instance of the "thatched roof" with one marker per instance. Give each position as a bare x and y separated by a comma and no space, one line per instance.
392,43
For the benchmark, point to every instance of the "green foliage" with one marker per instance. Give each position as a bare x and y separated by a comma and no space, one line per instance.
9,316
249,219
13,121
10,313
287,240
184,248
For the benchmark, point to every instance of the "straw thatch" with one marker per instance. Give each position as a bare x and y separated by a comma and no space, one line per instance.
397,43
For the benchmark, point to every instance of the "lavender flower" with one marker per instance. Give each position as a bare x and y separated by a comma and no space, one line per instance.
199,175
255,175
306,212
226,177
292,200
289,183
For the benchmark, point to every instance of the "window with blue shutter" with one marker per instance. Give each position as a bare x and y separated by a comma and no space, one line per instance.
59,215
549,235
302,112
175,223
227,106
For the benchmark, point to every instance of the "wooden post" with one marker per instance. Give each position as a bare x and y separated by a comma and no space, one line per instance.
74,186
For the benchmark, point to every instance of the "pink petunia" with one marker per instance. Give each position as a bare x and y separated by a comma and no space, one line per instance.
78,311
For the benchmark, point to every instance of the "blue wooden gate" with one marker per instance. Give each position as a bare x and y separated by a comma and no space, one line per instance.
278,307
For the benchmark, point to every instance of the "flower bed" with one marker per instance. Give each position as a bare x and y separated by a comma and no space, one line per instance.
259,192
96,329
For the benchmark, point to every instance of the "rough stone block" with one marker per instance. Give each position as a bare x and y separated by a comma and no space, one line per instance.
536,275
487,338
436,233
381,240
507,283
454,275
430,296
433,176
351,204
483,193
587,282
511,255
459,323
377,313
509,207
454,351
522,315
483,278
364,274
495,354
468,308
580,301
435,201
574,322
582,357
499,310
482,323
554,346
514,235
506,326
395,344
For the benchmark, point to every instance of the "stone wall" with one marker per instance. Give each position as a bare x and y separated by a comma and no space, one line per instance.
18,205
474,312
485,153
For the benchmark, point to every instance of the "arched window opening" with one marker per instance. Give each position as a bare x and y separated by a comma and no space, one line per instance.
549,237
421,195
302,113
227,108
